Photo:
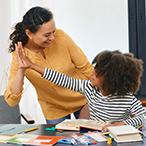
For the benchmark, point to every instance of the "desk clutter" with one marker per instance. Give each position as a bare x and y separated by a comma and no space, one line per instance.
27,139
19,134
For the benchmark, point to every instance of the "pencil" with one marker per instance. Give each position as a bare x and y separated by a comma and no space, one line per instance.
31,129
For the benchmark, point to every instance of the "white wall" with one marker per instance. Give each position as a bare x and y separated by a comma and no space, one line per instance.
5,58
95,25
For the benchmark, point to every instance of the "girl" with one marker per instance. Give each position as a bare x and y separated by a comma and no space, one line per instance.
116,77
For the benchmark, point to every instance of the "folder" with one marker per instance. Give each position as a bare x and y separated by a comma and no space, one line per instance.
12,129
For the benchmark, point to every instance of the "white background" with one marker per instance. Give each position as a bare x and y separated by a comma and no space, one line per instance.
95,25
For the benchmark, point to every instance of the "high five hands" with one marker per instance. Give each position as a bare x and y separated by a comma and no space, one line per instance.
22,57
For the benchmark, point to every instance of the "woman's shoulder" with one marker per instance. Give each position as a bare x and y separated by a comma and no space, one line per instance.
14,54
59,32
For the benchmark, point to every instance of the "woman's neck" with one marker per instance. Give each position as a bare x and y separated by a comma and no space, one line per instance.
33,47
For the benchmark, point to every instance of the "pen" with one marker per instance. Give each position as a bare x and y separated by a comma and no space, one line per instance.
92,142
31,129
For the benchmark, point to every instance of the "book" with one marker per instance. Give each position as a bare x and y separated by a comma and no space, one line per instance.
77,124
125,133
20,139
12,129
98,137
43,140
3,138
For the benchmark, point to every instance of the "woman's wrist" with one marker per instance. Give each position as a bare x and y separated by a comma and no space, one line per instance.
21,71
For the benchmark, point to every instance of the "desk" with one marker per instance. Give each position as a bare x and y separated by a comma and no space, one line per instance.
42,131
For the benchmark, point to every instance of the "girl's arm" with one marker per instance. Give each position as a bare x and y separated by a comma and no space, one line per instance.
137,111
51,75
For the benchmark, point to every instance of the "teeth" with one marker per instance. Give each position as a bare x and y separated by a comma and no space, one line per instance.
48,42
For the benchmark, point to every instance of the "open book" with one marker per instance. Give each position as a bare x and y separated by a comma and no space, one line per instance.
77,124
125,133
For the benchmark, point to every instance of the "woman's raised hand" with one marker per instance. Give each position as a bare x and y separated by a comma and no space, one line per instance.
22,57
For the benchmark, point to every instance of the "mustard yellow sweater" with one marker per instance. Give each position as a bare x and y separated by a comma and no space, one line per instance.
64,56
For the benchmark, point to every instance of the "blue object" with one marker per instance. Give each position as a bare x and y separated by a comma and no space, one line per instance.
64,140
92,142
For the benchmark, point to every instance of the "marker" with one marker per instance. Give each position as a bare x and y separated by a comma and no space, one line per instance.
105,133
139,127
50,129
109,140
92,142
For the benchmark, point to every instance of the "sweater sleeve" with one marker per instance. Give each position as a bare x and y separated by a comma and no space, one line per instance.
78,58
137,110
65,81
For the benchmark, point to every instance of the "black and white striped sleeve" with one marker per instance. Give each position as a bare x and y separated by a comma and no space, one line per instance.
64,80
137,111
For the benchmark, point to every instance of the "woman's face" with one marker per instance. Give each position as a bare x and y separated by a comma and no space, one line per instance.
44,35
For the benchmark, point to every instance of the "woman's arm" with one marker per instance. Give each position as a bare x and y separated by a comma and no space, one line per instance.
18,80
78,58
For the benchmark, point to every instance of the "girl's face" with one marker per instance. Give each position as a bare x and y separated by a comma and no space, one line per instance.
43,37
96,81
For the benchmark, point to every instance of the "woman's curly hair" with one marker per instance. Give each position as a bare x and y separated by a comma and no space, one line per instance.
121,72
32,20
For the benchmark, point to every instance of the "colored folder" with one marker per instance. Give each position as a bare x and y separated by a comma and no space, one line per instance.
12,129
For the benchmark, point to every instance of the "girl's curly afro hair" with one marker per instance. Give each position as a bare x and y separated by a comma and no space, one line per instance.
121,72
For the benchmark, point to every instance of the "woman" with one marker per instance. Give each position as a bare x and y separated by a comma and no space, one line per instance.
52,48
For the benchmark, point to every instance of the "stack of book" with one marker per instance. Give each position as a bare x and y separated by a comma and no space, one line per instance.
125,134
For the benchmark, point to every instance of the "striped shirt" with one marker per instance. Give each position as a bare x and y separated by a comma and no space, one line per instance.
109,108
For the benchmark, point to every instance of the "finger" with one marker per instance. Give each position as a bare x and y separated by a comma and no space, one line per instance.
16,46
23,52
20,49
20,45
27,53
17,50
